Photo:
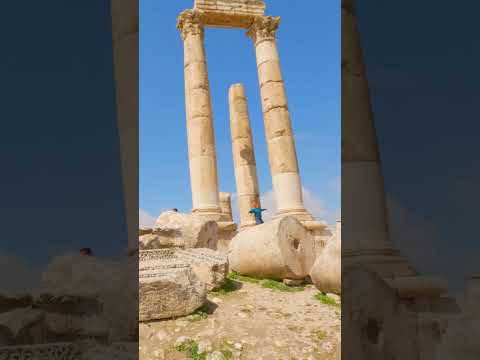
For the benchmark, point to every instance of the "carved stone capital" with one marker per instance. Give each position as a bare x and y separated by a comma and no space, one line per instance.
189,22
263,28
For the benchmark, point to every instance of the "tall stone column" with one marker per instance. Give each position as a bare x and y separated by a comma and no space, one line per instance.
281,145
201,140
364,221
243,155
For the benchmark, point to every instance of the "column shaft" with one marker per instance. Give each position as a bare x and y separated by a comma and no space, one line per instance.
243,155
364,220
281,145
201,139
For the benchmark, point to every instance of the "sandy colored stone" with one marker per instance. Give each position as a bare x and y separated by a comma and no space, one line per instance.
277,123
273,94
167,288
174,229
326,273
211,267
270,71
282,155
76,276
277,249
243,155
226,205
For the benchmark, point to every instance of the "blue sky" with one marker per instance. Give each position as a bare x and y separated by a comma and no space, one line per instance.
309,47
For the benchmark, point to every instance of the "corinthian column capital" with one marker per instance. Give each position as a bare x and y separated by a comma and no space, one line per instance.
263,28
189,23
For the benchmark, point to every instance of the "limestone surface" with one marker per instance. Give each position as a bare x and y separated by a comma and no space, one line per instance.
167,287
278,249
326,272
173,229
210,266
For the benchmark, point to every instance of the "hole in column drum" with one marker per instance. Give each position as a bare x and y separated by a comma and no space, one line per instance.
373,329
296,243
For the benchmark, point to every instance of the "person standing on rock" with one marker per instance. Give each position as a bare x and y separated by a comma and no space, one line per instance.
257,212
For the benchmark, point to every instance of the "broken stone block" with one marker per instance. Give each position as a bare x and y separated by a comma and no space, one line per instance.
75,284
279,249
167,287
173,229
210,266
293,282
326,272
22,326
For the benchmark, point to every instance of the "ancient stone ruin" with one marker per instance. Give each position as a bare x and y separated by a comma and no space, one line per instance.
72,312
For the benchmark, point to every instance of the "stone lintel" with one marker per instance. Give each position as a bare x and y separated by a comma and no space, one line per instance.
229,13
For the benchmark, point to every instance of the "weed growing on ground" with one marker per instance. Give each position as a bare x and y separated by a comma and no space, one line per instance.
190,348
200,314
229,286
266,283
325,299
319,335
280,286
236,276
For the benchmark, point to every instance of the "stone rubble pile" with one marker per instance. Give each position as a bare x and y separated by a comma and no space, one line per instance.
71,305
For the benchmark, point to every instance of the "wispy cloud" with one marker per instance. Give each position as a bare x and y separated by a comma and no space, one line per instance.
145,219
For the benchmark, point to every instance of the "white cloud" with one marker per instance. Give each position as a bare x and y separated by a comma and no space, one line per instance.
145,220
335,184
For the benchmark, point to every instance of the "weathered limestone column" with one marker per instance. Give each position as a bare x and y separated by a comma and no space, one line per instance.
226,206
201,140
364,220
243,155
125,56
281,145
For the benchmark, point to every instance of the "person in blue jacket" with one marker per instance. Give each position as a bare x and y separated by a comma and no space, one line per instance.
257,212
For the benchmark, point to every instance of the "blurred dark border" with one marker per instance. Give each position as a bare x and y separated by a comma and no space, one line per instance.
409,247
69,156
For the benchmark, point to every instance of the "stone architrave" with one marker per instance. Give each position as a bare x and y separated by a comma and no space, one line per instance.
278,129
201,140
243,155
278,249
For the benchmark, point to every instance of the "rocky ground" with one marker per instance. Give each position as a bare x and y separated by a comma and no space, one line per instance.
250,319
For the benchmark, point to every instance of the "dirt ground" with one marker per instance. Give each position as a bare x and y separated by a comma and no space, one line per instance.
251,322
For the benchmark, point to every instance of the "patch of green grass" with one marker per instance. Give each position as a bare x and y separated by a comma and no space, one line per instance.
325,299
319,335
200,314
229,286
265,283
190,348
295,328
236,276
228,354
280,286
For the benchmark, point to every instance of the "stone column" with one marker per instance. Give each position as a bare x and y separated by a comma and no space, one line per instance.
124,16
226,206
201,140
281,146
243,155
364,219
